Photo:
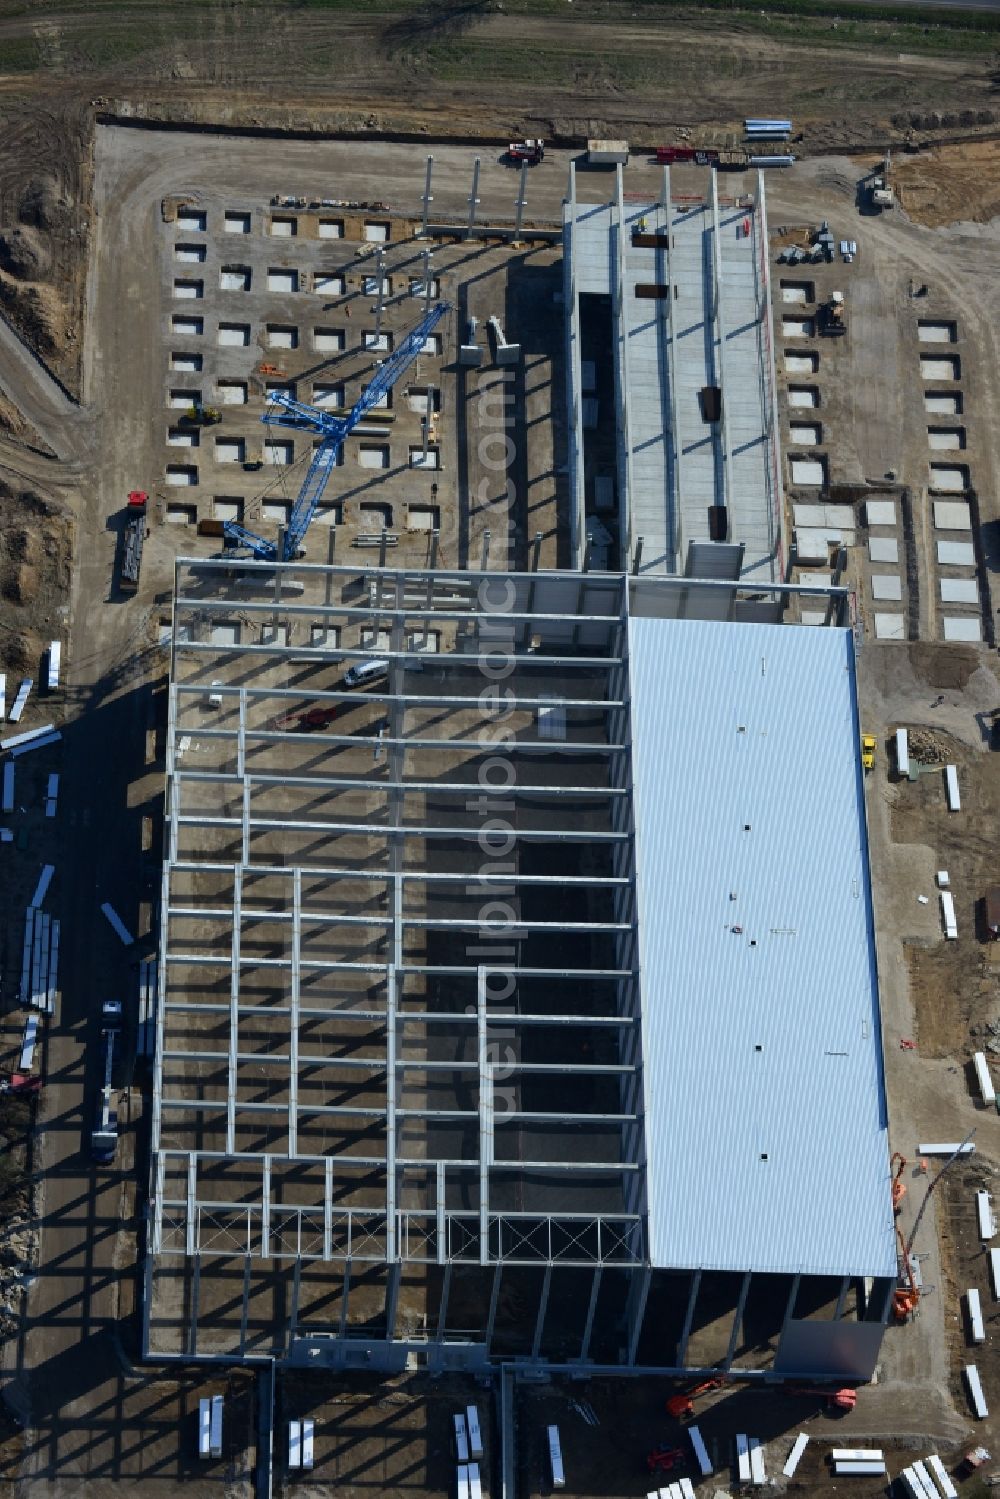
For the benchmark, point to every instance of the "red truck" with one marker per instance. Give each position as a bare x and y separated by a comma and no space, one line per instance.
703,156
132,540
666,156
531,151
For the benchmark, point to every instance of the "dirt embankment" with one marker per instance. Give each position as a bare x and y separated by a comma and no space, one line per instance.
45,180
36,550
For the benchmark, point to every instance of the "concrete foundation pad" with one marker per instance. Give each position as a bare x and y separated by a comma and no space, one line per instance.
959,591
813,616
880,512
808,471
951,515
883,549
826,517
890,627
956,554
887,586
812,544
958,627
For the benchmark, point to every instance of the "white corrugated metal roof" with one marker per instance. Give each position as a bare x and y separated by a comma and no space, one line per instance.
761,1026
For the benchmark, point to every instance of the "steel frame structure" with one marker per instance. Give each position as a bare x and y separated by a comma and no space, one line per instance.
399,1017
221,791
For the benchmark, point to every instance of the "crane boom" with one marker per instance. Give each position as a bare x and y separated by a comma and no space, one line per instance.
286,411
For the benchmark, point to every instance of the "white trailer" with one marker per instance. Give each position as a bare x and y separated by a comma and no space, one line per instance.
53,664
757,1461
940,1472
948,915
17,743
119,926
984,1212
977,1332
475,1434
975,1388
204,1428
461,1440
801,1442
28,1043
700,1451
912,1483
44,881
307,1444
983,1078
20,701
556,1459
216,1425
924,1480
607,153
295,1444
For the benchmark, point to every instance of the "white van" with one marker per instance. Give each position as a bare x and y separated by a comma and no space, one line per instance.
363,673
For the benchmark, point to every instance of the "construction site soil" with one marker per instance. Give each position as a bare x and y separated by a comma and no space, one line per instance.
452,70
949,183
469,72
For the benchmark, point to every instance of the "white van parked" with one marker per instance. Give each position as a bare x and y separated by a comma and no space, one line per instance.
363,673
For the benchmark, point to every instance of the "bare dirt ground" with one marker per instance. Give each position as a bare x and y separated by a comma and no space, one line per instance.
950,183
936,997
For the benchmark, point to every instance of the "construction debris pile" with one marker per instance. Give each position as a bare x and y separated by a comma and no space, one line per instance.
925,748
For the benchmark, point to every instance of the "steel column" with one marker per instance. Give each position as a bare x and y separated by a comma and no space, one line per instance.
344,1298
845,1286
473,198
494,1299
737,1319
293,1319
442,1319
588,1327
392,1299
682,1345
543,1302
428,199
192,1347
790,1304
638,1310
245,1304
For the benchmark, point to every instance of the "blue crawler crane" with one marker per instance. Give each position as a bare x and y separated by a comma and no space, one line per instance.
285,411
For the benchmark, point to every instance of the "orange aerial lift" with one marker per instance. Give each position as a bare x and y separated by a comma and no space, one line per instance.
836,1400
681,1406
906,1298
898,1185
